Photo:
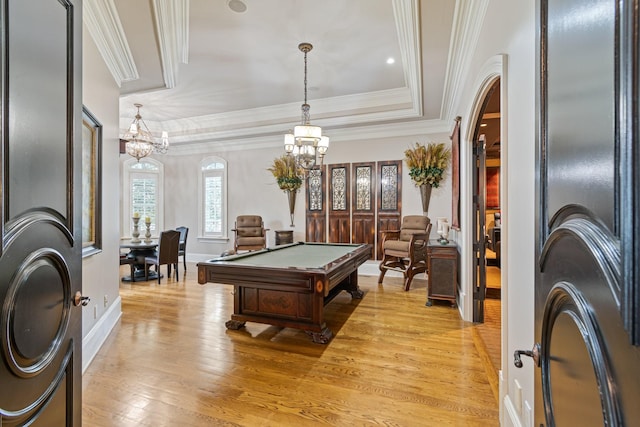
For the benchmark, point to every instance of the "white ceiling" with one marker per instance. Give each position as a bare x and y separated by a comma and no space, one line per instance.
206,73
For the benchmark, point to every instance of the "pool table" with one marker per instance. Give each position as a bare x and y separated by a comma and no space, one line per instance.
289,285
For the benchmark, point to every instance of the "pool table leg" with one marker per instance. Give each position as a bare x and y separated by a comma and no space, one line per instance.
322,337
356,293
352,286
234,324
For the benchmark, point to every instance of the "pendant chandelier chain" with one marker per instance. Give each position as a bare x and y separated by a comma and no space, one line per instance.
306,143
306,108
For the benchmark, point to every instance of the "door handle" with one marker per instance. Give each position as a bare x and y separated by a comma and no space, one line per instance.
78,299
534,353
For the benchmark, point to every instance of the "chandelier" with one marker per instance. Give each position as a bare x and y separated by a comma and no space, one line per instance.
140,141
306,144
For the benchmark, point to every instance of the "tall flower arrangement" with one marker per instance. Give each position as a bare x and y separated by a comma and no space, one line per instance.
288,176
427,164
286,172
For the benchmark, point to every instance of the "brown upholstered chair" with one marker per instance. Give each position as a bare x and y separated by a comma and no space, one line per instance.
250,233
405,250
167,254
182,248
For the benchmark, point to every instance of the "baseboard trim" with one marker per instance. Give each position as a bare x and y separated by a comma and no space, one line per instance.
92,342
196,258
511,412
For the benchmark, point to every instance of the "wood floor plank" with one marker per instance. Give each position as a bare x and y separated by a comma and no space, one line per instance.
393,362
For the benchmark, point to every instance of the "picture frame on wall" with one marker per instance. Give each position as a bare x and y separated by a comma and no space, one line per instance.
455,174
91,184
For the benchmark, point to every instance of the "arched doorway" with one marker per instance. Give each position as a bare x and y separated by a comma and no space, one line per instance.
486,220
486,203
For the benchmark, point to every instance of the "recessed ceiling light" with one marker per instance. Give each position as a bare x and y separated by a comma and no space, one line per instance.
390,61
483,125
237,5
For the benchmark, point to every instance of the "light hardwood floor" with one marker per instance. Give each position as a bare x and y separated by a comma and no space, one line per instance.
490,330
393,362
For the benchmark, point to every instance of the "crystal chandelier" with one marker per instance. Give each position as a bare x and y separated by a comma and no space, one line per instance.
306,144
140,141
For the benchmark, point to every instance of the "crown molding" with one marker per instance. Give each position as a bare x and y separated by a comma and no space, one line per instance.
348,110
468,19
406,14
103,23
418,128
172,29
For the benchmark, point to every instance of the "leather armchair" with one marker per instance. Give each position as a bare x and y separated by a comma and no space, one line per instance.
250,234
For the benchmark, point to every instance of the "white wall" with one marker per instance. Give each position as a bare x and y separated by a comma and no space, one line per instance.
100,272
253,190
509,30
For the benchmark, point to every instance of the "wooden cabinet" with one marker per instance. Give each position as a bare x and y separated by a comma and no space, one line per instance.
284,237
442,264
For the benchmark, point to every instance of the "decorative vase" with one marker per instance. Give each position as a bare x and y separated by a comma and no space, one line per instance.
425,194
147,234
291,195
135,235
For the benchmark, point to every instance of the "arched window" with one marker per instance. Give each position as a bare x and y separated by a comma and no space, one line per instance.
143,194
213,198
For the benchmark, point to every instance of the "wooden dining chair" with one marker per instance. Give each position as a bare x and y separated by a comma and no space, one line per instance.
182,248
167,253
126,260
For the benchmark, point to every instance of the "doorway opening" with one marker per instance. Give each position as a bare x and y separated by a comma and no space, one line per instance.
487,224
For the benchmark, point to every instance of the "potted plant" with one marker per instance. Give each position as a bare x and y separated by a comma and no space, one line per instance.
288,177
427,165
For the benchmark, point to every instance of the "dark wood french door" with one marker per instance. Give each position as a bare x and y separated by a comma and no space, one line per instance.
389,183
339,203
316,205
364,199
40,216
479,228
588,241
363,204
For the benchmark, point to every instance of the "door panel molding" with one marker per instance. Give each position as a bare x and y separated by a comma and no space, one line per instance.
34,409
51,116
14,228
565,299
29,354
628,133
597,240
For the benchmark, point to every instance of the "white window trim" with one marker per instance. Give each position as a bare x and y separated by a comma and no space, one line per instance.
127,222
202,236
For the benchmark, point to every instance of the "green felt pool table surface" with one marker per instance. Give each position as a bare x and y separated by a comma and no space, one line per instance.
307,255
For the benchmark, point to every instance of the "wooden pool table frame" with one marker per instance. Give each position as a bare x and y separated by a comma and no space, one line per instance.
286,297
